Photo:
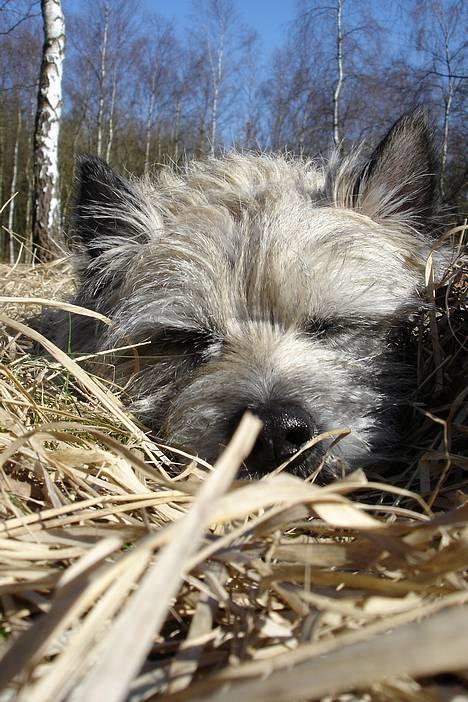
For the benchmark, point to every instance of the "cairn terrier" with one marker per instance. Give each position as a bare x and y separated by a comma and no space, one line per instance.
264,283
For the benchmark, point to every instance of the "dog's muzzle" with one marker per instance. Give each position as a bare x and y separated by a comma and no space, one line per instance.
286,428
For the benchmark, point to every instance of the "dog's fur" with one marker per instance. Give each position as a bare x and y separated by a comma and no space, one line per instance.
260,282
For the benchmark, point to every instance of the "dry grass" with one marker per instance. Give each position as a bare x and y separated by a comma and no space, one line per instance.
119,582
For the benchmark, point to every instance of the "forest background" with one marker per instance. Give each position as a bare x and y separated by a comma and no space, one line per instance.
141,89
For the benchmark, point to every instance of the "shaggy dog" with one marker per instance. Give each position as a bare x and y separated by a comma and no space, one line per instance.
262,283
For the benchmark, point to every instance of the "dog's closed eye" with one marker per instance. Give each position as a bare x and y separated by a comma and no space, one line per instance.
192,342
322,327
339,328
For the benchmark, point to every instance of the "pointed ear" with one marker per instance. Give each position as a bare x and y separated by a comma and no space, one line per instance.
108,207
400,179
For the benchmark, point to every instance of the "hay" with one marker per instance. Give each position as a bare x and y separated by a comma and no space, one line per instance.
120,582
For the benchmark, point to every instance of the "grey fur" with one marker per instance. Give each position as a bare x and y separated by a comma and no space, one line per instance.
260,281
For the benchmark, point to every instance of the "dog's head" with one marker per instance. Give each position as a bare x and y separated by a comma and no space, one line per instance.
264,283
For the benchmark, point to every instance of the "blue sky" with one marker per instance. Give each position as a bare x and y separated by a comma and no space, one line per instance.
268,17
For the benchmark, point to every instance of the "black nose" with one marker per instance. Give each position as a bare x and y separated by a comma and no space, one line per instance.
285,429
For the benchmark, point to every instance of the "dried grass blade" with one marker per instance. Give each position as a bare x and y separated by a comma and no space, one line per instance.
110,402
31,645
69,666
130,638
185,662
66,306
421,648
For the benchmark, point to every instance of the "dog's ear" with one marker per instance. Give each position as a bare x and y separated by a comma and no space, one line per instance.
400,180
108,208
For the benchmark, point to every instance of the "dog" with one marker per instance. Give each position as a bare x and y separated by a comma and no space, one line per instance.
263,283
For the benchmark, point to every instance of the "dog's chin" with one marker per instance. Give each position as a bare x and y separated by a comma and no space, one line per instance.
314,465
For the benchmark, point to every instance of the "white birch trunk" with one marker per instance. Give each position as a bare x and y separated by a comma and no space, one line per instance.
46,210
217,76
149,121
28,248
111,116
14,176
102,81
339,82
447,108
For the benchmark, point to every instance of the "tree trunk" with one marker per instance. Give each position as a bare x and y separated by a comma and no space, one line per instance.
46,207
2,233
217,75
111,116
200,147
339,82
447,108
443,155
28,246
176,131
14,176
102,81
158,135
303,131
149,121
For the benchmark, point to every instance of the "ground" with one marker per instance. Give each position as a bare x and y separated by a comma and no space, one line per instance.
199,587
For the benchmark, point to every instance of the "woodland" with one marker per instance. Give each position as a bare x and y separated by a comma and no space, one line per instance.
141,89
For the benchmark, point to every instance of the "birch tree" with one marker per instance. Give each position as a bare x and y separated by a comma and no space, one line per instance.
46,209
316,93
220,38
103,43
11,212
442,41
340,78
180,92
110,135
102,77
215,51
158,55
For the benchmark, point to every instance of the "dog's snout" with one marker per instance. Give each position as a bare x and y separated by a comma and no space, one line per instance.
285,430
